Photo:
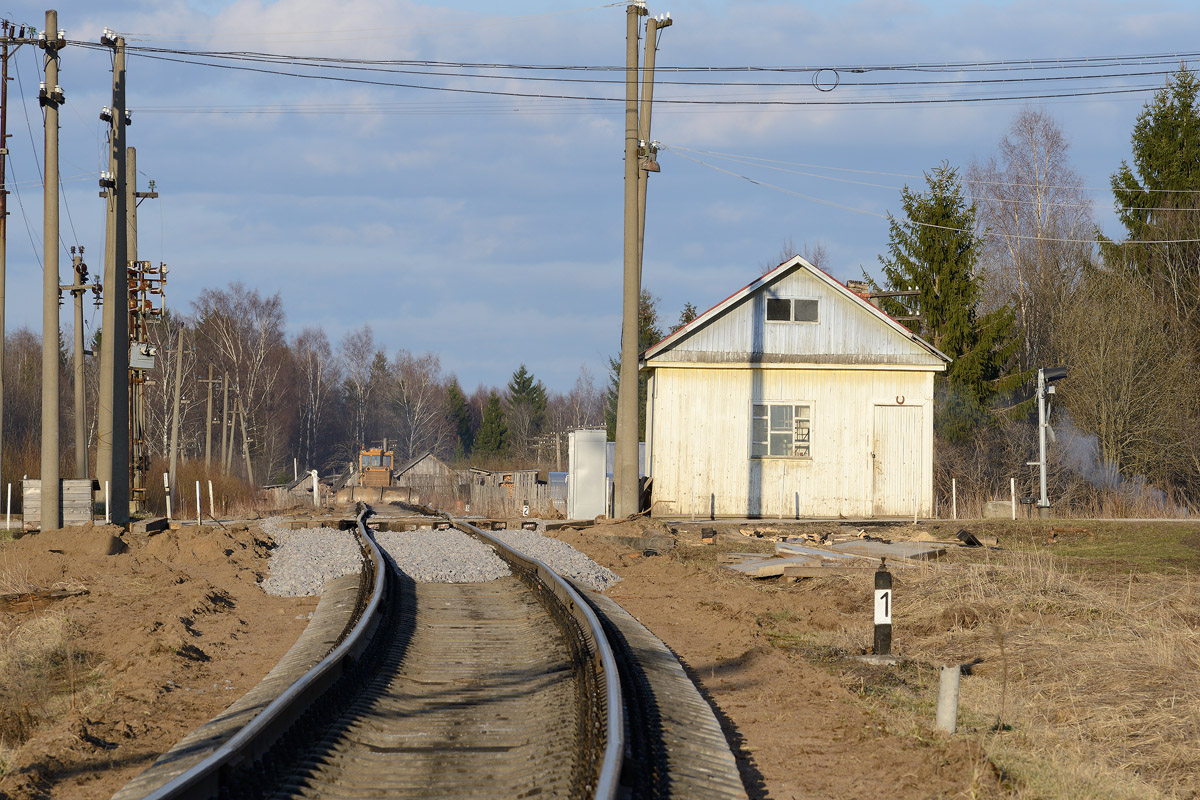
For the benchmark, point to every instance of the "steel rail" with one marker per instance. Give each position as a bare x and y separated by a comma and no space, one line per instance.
608,778
203,780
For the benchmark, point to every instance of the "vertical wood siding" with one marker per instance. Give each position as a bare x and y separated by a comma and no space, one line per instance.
699,443
843,329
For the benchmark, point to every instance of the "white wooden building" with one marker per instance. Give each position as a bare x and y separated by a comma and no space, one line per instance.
795,398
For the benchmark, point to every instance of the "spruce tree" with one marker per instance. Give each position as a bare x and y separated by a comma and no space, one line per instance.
459,417
492,436
933,251
528,394
648,334
1158,202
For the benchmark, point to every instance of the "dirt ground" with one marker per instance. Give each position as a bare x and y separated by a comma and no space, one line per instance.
798,732
170,629
173,628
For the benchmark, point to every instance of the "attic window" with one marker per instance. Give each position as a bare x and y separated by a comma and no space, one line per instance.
781,309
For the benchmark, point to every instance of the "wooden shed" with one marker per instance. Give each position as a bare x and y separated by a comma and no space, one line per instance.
796,398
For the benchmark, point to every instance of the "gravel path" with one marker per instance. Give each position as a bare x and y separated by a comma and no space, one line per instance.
304,560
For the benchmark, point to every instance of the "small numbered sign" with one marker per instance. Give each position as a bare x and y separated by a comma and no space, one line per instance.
883,606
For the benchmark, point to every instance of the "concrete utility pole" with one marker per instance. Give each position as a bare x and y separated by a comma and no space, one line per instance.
4,52
208,419
625,467
77,290
245,440
175,404
135,384
225,422
647,150
51,97
112,436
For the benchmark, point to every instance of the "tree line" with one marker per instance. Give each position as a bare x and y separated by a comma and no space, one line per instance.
1013,274
301,400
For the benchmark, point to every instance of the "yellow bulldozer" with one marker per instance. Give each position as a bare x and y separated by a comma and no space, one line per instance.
375,465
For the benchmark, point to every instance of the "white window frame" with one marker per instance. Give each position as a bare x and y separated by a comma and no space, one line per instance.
776,435
791,320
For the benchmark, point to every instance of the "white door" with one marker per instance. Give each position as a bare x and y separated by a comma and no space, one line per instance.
896,460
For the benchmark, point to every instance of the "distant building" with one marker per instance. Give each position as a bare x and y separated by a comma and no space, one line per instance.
793,397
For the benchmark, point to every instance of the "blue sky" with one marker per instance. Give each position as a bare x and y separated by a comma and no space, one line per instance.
488,229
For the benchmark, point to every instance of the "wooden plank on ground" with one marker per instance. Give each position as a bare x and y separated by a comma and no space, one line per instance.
769,567
915,550
788,548
826,570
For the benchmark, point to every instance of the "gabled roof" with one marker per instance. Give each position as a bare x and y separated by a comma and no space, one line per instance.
791,265
427,454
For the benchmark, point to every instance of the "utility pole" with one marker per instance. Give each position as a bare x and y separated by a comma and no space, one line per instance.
77,290
625,467
51,97
245,440
209,419
175,404
225,422
112,439
647,149
4,53
136,385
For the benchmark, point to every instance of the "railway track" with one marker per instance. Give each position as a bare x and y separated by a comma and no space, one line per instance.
504,689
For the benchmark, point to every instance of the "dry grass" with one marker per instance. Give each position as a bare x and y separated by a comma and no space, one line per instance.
1086,680
46,675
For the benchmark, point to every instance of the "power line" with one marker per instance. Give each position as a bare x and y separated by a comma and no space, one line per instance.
772,164
889,217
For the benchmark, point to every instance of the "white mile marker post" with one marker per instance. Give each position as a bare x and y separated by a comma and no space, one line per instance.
197,502
1012,486
167,494
8,507
883,610
107,503
211,508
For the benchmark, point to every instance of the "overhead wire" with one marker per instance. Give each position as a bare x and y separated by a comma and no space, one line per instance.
889,217
775,165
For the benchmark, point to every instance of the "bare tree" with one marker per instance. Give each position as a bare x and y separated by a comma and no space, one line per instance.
318,375
1127,380
419,405
1036,222
814,253
244,333
357,354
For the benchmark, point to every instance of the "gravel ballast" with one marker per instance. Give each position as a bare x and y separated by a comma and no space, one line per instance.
304,560
560,557
442,556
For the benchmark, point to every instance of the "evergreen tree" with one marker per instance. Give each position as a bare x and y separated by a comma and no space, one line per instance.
933,251
492,436
688,314
648,334
528,394
460,419
1157,200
